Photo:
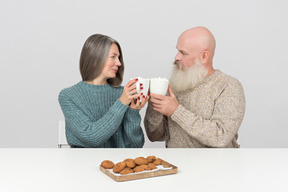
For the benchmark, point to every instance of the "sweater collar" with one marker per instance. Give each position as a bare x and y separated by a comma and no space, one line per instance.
212,76
94,87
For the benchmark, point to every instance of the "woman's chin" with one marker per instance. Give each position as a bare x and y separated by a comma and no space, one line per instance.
112,76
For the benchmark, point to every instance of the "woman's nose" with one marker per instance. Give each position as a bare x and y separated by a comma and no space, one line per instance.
118,63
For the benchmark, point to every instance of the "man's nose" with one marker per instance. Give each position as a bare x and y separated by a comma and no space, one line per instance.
177,57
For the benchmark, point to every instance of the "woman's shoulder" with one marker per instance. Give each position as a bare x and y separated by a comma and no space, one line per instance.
68,90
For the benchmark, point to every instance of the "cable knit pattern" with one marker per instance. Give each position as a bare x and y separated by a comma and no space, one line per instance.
95,117
209,115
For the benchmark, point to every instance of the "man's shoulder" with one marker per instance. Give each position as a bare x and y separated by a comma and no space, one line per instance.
227,79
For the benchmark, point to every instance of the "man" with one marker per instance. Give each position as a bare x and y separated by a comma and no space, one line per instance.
205,107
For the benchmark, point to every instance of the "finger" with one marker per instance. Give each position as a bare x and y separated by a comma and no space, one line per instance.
134,87
128,91
144,101
131,87
160,97
131,82
132,92
138,103
170,91
135,96
142,104
157,106
153,100
148,97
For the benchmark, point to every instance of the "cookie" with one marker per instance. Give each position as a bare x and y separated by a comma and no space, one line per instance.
130,163
119,167
151,159
126,171
151,166
139,169
158,161
107,164
141,161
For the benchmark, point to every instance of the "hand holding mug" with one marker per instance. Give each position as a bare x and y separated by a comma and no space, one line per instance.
142,86
166,105
136,104
130,92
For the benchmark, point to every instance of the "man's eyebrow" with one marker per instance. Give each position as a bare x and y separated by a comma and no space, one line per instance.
182,51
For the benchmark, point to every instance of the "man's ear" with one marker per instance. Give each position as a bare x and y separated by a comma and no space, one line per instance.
205,56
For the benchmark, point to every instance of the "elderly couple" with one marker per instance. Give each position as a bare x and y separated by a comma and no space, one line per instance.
203,107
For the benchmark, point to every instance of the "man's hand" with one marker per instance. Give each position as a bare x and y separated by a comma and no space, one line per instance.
164,104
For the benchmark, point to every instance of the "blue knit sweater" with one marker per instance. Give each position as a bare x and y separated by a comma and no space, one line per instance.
95,117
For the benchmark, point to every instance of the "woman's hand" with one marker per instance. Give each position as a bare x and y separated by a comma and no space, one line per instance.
129,92
136,104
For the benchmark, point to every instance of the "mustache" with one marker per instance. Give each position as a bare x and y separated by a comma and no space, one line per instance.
178,65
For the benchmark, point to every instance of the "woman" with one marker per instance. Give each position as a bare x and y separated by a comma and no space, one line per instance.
98,111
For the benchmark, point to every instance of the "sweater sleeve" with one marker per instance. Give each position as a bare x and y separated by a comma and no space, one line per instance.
156,125
221,128
91,133
133,133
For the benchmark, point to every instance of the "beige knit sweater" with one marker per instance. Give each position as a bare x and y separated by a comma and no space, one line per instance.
209,115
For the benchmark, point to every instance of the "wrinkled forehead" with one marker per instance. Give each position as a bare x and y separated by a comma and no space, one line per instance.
190,43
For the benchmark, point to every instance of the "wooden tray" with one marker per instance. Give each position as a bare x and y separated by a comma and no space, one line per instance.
142,175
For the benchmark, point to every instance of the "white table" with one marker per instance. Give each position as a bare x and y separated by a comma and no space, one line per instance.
198,170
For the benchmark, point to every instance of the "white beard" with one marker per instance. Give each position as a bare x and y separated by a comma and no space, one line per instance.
187,78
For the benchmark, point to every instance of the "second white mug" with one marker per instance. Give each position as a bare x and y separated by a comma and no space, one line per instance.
159,86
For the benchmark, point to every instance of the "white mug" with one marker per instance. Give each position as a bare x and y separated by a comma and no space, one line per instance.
159,86
145,85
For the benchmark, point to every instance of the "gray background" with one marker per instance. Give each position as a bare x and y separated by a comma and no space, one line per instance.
40,44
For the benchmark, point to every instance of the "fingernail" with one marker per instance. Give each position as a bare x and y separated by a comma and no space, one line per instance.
141,93
136,79
148,94
138,98
141,84
141,88
143,96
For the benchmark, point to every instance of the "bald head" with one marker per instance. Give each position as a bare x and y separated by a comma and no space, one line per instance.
199,38
196,43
